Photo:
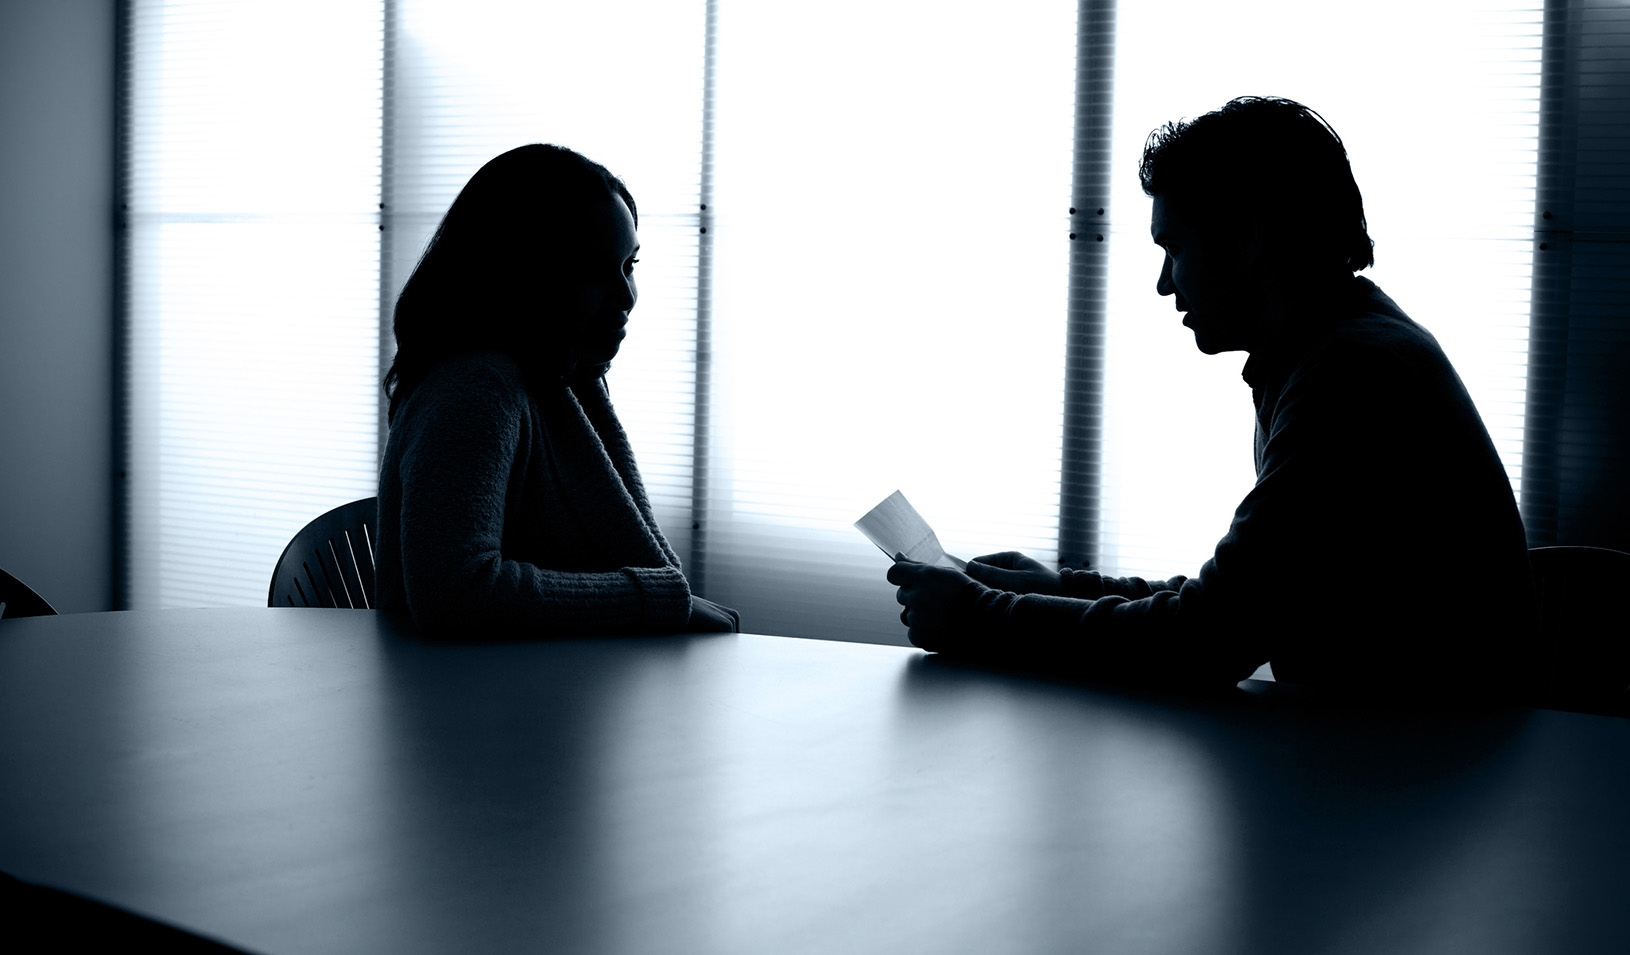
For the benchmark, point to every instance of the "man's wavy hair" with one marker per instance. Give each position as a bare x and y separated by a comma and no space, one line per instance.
509,243
1272,158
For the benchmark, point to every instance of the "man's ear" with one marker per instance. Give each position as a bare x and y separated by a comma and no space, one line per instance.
1253,240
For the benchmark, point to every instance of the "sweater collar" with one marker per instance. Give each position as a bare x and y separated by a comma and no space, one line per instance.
1274,360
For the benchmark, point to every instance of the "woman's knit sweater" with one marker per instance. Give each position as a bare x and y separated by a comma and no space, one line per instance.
515,511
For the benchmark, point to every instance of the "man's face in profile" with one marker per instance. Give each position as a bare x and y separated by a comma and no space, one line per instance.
1206,271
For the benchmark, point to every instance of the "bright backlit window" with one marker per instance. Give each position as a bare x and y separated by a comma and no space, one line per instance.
252,330
879,300
1438,104
893,219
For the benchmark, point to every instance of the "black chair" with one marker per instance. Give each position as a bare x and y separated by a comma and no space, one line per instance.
17,599
330,563
1584,628
66,922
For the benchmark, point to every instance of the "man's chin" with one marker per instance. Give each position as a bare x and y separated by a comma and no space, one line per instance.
1212,345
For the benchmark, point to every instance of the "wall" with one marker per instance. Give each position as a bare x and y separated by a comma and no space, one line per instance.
56,298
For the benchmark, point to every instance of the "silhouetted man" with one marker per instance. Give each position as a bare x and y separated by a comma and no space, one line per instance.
1381,543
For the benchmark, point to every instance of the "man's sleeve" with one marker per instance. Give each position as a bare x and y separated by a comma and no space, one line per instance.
1142,634
1283,567
1091,585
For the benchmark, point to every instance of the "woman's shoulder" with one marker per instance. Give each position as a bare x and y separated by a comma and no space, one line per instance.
483,367
478,383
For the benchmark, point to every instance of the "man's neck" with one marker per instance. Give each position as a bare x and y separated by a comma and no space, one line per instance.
1293,313
1305,300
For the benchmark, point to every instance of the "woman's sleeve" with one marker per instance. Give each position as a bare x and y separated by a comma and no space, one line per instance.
458,455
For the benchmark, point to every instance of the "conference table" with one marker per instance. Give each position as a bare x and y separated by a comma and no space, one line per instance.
288,781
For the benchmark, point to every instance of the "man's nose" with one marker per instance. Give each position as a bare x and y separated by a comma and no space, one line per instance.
1164,286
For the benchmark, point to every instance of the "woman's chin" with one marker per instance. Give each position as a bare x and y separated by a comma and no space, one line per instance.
587,369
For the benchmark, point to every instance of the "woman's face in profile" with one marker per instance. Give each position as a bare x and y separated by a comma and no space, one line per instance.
603,291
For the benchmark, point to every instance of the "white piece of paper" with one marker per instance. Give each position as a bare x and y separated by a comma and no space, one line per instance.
896,527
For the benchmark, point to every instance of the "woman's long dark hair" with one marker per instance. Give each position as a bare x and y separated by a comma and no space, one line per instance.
485,280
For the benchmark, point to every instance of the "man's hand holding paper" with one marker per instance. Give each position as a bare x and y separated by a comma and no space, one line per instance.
900,532
928,594
933,584
1011,570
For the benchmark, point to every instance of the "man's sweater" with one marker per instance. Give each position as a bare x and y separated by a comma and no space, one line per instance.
513,511
1381,543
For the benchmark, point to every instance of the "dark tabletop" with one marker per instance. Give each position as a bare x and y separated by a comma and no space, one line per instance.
318,781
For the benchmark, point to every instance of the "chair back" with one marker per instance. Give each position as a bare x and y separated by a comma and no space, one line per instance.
1584,616
330,563
18,599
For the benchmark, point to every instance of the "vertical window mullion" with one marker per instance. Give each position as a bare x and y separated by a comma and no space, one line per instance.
1082,458
389,282
696,564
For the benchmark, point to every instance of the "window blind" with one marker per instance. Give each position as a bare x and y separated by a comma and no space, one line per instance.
890,273
1578,453
880,293
252,256
1438,106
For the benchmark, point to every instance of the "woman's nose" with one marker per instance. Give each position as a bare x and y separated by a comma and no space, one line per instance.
624,294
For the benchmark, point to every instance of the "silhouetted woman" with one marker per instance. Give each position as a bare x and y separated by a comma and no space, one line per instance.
509,500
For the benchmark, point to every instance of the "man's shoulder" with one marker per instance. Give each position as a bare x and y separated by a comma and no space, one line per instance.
1374,331
1372,317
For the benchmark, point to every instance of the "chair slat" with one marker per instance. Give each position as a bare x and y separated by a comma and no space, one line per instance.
365,565
353,571
334,574
340,543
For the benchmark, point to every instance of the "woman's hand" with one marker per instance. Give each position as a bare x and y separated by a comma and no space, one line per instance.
926,592
709,617
1011,570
